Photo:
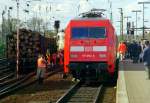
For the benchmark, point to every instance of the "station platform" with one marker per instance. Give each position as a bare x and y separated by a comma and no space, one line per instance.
132,85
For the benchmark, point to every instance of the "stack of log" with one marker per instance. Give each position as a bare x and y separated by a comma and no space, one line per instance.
31,43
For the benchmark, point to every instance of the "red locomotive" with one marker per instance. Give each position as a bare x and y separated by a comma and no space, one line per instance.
90,47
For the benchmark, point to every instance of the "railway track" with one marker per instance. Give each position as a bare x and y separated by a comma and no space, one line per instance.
6,72
14,84
9,87
4,65
82,93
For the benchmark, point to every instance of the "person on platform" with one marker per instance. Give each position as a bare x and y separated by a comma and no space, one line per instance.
122,50
146,58
41,68
136,49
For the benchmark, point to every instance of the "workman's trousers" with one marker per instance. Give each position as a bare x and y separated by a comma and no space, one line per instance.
40,74
147,69
122,56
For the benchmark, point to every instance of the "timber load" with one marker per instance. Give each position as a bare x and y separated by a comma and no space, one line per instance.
31,43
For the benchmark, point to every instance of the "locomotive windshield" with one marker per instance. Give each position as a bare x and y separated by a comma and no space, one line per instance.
88,32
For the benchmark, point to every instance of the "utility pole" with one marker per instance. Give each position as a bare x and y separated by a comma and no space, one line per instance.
17,49
127,17
39,24
9,21
136,12
111,14
121,23
26,13
143,3
3,24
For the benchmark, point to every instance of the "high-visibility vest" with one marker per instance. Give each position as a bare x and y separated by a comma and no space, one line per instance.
122,48
41,63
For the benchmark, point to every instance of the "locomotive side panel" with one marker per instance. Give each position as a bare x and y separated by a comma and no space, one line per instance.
66,49
111,49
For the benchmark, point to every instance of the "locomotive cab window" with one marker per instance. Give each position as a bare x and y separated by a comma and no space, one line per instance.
79,33
88,32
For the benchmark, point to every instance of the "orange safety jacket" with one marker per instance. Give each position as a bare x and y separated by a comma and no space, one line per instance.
41,63
122,48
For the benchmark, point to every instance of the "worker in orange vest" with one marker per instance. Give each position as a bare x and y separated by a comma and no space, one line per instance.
41,68
122,50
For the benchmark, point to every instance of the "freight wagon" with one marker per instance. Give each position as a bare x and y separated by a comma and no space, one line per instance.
30,45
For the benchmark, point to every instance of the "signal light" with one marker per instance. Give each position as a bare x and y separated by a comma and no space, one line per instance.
132,32
57,24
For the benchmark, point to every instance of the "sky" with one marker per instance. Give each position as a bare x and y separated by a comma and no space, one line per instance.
65,10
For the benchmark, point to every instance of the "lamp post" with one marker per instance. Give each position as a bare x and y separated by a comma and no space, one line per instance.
143,3
136,12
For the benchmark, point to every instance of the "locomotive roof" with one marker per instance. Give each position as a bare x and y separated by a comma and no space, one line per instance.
87,18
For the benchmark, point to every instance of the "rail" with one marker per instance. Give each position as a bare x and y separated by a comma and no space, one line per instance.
80,93
7,76
13,86
10,86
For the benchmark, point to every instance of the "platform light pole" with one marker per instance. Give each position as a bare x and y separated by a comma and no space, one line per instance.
136,12
143,3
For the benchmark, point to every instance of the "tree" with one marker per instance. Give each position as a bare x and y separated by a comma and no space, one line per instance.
35,24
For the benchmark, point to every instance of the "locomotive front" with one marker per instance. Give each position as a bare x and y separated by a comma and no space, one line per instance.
88,53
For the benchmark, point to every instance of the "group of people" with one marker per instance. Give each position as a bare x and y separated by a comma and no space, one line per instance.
48,62
133,51
136,52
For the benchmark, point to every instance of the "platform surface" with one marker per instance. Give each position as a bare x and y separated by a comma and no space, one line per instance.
132,86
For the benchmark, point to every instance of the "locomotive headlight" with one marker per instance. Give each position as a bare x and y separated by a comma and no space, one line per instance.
100,48
73,55
102,55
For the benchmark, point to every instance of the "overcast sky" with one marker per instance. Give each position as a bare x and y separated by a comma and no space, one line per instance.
65,10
